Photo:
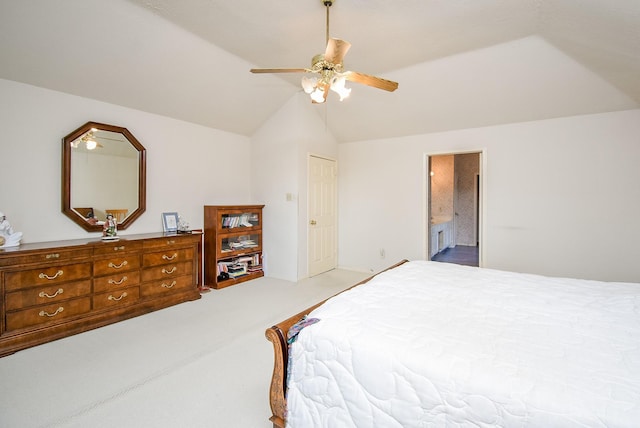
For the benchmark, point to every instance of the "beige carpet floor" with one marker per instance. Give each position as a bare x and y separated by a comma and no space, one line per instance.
199,364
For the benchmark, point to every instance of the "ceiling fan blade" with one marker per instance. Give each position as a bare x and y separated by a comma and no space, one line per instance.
336,50
376,82
280,70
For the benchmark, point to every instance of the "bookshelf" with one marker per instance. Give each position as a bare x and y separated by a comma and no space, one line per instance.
232,244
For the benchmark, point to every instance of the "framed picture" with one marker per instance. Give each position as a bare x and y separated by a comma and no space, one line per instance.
170,222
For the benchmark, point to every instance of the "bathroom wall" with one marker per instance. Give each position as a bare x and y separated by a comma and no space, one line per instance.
442,185
467,167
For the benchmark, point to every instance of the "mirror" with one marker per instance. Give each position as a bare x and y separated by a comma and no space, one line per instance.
103,172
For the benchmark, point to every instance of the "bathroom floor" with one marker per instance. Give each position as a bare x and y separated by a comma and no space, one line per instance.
460,254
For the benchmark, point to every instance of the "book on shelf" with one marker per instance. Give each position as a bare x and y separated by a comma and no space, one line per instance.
232,269
241,243
237,271
240,220
244,221
240,266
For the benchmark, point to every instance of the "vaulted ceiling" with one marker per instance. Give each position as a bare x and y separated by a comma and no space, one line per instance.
460,64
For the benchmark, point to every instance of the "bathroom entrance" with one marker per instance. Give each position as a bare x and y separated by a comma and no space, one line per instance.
454,200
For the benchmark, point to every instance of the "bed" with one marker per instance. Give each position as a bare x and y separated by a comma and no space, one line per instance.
427,344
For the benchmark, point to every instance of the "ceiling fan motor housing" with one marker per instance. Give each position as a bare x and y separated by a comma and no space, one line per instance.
316,60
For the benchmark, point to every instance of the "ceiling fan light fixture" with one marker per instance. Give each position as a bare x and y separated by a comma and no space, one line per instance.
89,141
317,95
337,86
309,83
91,144
315,87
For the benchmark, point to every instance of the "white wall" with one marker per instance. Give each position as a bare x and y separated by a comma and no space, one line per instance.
562,196
280,149
188,165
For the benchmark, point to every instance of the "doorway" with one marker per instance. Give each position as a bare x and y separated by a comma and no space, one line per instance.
323,215
453,208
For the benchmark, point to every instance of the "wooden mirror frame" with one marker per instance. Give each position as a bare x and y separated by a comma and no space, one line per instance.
66,176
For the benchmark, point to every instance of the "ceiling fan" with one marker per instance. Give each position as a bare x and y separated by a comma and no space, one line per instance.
326,72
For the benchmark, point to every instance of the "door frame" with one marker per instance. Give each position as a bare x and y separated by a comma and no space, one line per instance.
426,180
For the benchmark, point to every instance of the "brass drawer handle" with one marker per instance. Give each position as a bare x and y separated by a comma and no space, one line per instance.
169,272
171,242
113,281
121,265
164,256
123,295
120,248
44,275
48,296
169,285
53,256
47,314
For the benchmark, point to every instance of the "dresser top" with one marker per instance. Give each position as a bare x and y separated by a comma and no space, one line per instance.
93,241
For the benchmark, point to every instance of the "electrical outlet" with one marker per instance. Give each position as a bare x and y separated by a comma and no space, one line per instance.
382,253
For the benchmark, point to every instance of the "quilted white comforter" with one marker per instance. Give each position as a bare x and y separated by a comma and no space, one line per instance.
439,345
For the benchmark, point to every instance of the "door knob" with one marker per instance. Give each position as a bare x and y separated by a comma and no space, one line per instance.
312,222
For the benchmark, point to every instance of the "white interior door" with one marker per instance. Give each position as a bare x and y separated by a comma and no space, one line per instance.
323,213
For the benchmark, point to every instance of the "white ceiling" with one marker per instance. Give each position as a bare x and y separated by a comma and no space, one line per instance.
460,63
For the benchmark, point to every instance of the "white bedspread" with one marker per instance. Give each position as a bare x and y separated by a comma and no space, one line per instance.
439,345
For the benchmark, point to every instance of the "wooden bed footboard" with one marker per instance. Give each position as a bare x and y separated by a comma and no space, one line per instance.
277,335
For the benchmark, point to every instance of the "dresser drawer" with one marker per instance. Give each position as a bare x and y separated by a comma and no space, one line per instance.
47,275
167,257
124,263
121,297
47,314
171,270
117,247
55,255
170,242
154,288
50,294
116,281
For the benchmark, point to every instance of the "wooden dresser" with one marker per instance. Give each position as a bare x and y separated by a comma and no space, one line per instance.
52,290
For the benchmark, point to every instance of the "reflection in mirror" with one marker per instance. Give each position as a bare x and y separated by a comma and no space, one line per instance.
104,173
